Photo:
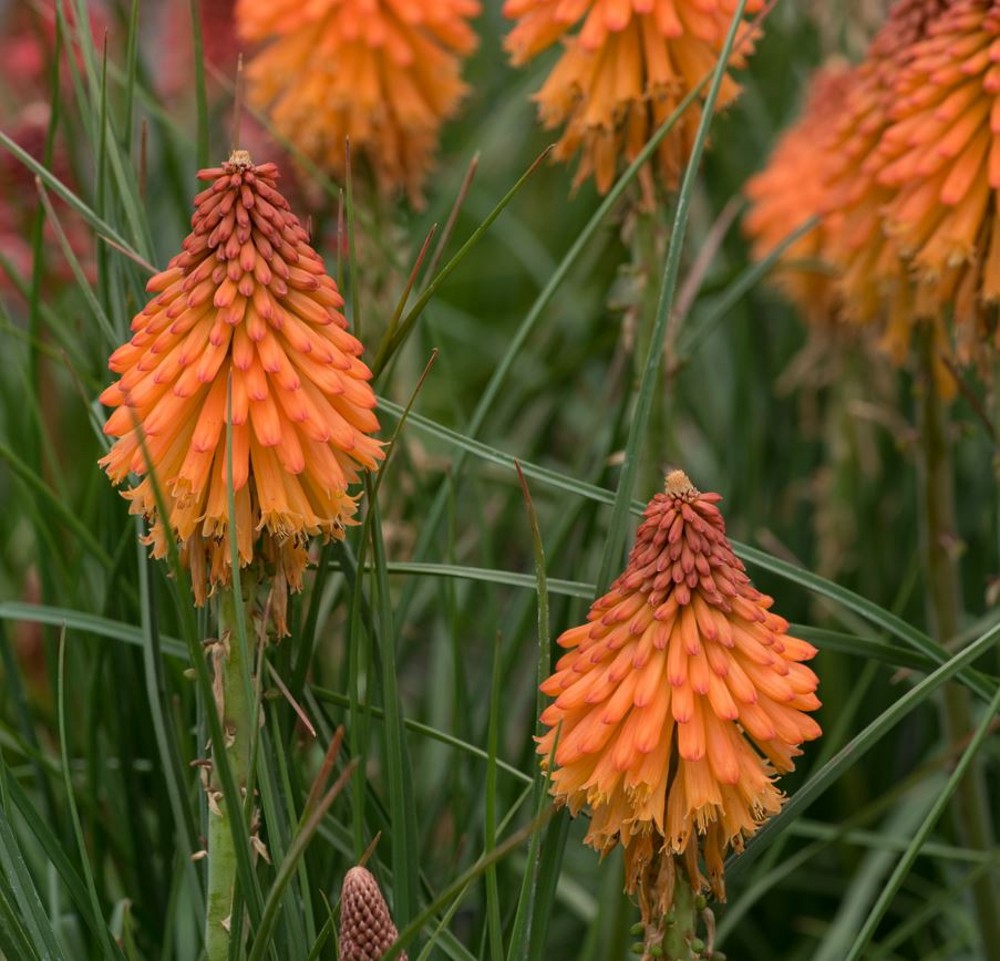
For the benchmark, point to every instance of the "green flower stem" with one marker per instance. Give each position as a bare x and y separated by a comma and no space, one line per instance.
236,716
938,542
679,937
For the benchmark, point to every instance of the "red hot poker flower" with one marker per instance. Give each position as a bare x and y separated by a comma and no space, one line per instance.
677,702
245,319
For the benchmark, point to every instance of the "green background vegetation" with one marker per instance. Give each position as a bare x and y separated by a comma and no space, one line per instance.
424,640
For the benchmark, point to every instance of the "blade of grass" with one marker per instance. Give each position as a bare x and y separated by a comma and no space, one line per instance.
103,321
388,347
131,68
38,225
103,937
29,734
487,401
405,846
408,288
692,336
455,888
652,373
892,886
923,917
358,667
13,938
289,865
549,870
15,881
819,831
870,875
55,504
352,254
200,89
489,575
101,226
278,802
449,225
852,752
115,152
164,733
524,916
878,616
87,623
494,923
425,730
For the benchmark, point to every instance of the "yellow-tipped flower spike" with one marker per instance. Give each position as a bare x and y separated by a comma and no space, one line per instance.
384,74
621,75
245,319
366,927
677,702
873,280
941,158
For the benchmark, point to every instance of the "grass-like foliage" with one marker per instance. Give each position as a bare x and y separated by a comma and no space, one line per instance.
533,389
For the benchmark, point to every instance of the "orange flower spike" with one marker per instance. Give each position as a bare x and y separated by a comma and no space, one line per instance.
940,156
782,198
245,319
622,74
678,701
383,74
873,281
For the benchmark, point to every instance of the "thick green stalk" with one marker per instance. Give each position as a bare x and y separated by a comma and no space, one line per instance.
648,241
938,540
236,716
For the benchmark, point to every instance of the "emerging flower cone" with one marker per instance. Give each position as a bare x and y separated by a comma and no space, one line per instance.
366,927
245,319
384,74
220,45
622,75
783,198
677,702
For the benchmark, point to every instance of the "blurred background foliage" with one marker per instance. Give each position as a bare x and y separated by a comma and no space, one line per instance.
809,438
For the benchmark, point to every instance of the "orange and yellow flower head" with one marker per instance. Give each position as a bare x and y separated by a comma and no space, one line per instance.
366,927
940,159
874,282
621,75
791,189
244,351
383,74
677,702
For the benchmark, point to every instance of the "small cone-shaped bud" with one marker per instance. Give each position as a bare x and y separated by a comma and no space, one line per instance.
366,928
243,352
677,702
